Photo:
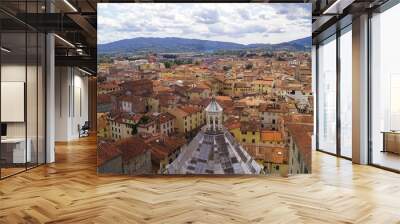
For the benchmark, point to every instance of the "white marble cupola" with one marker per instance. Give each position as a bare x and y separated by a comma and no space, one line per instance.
214,116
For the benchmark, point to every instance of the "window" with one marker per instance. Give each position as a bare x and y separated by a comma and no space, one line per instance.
253,141
327,95
244,140
346,92
385,88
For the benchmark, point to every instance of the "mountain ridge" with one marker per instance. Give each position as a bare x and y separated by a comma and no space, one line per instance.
178,45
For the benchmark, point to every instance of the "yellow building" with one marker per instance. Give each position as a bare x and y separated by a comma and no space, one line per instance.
242,88
102,126
217,83
199,93
274,159
153,105
188,118
233,126
103,67
146,66
120,130
250,132
227,88
164,75
262,86
245,132
122,125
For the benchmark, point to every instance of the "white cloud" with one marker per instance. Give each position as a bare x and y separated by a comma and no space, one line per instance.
241,23
207,16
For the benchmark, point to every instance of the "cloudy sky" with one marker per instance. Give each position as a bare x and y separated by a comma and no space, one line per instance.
239,23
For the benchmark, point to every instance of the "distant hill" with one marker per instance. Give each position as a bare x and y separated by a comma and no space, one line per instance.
174,44
307,41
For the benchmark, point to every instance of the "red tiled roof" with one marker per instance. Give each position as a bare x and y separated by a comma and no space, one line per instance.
301,134
165,117
225,102
103,98
133,117
161,148
105,152
267,135
277,155
232,123
190,109
197,90
299,119
107,86
132,147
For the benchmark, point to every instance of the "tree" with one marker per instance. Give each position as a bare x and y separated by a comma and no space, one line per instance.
144,120
134,129
168,64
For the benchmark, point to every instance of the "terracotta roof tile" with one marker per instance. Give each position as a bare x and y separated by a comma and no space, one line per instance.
301,134
132,147
190,109
104,98
251,125
106,151
161,148
232,123
165,117
271,136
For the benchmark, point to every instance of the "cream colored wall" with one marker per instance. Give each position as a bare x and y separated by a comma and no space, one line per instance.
71,94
